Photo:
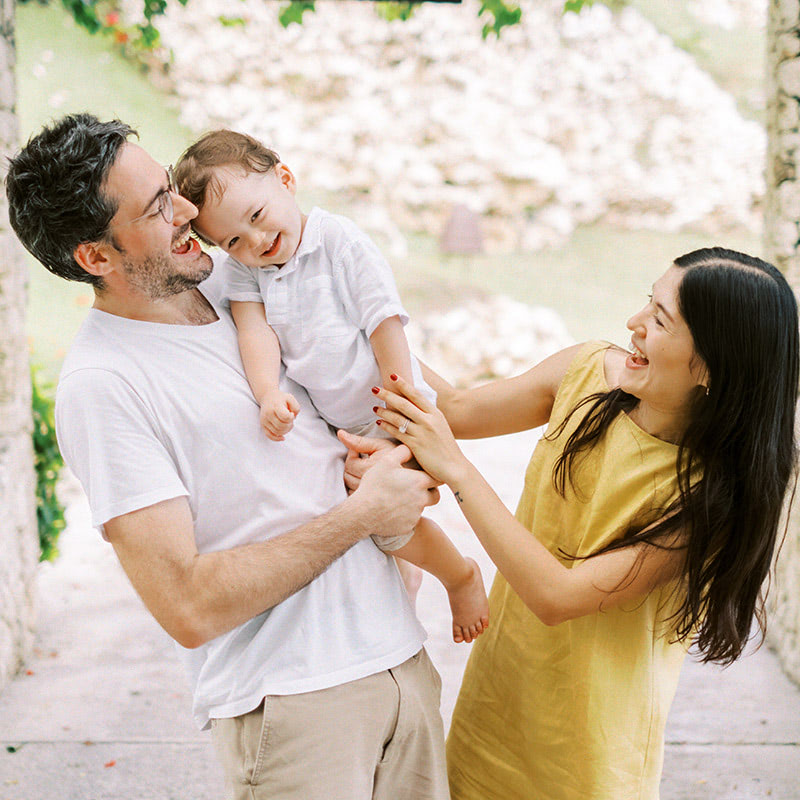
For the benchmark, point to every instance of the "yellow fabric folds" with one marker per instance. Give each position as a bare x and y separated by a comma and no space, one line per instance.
575,711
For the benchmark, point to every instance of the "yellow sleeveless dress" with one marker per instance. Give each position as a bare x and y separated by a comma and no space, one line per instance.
576,711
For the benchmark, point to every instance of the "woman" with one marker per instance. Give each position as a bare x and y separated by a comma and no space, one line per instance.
654,501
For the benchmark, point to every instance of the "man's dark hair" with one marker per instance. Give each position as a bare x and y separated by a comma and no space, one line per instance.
55,190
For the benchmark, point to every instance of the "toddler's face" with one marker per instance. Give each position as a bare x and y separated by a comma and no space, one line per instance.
257,219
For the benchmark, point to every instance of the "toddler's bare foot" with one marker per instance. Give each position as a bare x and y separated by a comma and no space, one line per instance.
469,605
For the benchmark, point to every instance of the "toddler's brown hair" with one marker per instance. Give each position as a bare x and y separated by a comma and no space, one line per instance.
196,172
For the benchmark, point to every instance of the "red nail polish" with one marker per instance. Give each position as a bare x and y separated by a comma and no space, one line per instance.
378,422
374,408
375,390
393,377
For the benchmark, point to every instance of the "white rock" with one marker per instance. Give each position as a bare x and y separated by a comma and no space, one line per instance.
577,118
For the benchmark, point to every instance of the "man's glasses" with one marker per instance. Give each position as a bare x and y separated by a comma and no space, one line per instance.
164,200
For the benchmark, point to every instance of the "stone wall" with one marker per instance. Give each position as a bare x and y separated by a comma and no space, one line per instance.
485,338
19,544
564,120
782,246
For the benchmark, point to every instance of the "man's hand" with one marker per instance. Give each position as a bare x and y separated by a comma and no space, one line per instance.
362,453
395,496
278,411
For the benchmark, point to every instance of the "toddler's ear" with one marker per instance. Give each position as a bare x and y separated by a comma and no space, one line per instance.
286,177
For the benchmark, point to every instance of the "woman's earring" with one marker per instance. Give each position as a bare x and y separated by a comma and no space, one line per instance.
708,391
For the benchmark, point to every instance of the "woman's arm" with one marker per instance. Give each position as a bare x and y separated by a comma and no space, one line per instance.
261,357
504,406
553,591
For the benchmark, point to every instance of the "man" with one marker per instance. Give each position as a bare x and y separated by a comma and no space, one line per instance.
300,645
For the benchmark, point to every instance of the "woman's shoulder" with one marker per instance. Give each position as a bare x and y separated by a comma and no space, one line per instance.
613,364
594,361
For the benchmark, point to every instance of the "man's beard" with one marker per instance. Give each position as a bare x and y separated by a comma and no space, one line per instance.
157,278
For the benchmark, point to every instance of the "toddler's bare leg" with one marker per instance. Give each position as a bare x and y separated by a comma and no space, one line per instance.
430,549
412,579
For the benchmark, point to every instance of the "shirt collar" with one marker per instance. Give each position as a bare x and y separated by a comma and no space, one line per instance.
312,234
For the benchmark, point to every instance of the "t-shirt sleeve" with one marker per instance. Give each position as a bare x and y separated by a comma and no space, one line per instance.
239,283
366,284
108,438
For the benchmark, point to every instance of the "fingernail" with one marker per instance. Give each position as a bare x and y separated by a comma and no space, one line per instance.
375,409
378,422
375,390
393,377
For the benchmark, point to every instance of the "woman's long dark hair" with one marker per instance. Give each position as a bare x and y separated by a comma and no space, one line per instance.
742,315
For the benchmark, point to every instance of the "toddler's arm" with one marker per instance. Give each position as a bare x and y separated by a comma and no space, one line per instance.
390,346
261,356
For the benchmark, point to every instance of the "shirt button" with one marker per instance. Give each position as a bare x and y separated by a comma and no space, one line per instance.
277,279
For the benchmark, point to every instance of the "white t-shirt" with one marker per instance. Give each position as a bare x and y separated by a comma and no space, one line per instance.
323,305
146,412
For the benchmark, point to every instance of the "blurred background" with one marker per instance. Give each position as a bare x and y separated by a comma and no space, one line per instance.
562,165
527,189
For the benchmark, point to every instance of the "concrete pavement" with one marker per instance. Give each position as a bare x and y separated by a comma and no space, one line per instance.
101,712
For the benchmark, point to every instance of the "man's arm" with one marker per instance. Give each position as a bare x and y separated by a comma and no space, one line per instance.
196,597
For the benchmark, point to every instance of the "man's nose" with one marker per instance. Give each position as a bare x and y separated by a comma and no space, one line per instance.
183,211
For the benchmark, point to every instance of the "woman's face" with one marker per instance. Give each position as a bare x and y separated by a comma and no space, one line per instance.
663,370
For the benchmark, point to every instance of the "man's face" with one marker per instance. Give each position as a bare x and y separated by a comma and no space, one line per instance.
155,257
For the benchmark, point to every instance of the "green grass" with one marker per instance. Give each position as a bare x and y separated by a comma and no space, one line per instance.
596,280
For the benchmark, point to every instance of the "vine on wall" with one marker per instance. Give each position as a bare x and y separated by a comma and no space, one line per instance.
103,16
48,463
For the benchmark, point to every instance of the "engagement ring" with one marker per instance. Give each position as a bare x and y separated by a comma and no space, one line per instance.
404,425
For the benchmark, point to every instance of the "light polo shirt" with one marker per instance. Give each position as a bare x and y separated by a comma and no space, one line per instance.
146,412
323,305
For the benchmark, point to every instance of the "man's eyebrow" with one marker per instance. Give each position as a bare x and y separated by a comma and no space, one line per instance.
158,194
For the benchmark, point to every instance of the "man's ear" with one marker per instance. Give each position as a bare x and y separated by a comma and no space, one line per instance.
93,258
286,177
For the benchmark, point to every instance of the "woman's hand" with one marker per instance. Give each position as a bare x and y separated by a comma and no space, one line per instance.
412,420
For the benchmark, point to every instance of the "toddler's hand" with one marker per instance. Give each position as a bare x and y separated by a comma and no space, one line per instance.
362,453
278,411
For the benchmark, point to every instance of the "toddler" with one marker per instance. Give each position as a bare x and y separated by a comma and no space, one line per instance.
314,291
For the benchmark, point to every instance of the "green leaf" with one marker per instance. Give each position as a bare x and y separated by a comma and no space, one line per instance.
231,22
294,12
575,6
392,11
48,464
84,13
502,13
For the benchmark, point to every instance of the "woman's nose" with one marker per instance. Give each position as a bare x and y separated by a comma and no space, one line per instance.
635,321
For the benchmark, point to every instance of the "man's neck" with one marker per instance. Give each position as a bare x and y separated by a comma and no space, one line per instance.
189,307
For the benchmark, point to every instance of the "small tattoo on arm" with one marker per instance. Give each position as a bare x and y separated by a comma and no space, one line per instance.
458,497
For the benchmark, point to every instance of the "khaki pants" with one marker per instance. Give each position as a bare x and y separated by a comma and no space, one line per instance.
377,738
